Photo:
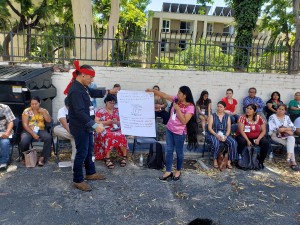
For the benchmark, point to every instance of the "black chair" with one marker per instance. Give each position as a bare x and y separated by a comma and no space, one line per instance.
16,136
61,143
272,143
142,141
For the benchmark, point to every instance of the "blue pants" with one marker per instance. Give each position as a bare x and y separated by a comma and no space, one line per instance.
4,150
85,148
230,142
174,141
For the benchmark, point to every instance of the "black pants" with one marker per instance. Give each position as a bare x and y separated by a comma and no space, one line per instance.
45,137
164,115
263,144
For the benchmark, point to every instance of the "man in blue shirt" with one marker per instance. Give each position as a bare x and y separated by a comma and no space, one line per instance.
252,99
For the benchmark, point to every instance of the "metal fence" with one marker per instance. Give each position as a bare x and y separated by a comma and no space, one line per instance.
145,48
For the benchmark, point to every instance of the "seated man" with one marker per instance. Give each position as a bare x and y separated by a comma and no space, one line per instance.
294,107
6,128
297,125
62,131
257,101
116,87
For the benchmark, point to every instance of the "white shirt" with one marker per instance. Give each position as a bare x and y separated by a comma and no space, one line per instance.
297,123
275,123
62,113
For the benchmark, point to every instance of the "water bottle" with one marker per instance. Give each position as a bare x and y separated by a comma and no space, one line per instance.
141,160
271,156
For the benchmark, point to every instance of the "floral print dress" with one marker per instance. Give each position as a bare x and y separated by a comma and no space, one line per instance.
105,141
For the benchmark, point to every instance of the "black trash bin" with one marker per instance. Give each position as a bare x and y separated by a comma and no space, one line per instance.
18,84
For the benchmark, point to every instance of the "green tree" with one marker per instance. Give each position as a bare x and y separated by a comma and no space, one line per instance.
31,16
246,15
129,30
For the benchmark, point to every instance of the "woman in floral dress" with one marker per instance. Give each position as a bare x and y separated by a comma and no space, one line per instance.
112,137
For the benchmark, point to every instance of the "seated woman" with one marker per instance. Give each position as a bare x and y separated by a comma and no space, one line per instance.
204,109
33,121
282,130
294,107
160,107
252,131
219,127
273,104
112,137
230,105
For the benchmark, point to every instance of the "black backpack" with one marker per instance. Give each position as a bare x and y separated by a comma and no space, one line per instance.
156,157
249,159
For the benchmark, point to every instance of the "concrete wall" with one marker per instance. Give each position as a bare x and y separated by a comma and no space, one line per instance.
169,81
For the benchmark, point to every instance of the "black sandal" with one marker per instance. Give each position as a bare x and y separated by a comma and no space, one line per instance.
123,161
295,168
108,163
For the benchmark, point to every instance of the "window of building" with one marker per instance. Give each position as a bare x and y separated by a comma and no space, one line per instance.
182,44
228,30
209,30
163,45
185,27
166,26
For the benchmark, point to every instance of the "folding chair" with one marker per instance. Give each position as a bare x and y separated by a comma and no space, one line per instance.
61,143
272,143
16,136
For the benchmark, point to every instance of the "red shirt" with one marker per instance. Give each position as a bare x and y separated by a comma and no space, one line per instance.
230,107
252,129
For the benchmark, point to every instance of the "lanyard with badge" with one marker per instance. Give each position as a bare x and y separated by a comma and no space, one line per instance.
91,108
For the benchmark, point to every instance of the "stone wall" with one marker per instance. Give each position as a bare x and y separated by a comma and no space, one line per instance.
169,81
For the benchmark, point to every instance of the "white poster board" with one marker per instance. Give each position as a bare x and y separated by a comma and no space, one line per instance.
136,111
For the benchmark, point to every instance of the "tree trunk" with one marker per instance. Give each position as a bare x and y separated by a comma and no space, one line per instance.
85,44
294,59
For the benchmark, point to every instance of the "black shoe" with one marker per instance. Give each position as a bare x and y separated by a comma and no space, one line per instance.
170,176
261,166
176,178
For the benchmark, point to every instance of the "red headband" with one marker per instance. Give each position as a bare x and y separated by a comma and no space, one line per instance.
80,70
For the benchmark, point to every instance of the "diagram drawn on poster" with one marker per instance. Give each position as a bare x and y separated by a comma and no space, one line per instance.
136,111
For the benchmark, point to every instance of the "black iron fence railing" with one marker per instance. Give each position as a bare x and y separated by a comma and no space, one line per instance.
146,48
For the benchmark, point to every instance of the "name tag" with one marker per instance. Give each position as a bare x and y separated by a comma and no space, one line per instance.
92,111
173,116
247,129
36,129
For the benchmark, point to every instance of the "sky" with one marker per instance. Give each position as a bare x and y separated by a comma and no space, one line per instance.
157,4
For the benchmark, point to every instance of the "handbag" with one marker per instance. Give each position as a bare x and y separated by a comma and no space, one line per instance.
30,157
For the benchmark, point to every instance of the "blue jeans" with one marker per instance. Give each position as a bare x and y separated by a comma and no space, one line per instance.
234,118
85,148
174,141
4,150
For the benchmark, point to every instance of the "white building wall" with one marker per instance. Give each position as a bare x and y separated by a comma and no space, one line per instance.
169,81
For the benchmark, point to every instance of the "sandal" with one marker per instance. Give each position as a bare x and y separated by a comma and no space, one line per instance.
108,163
295,167
123,161
216,166
41,162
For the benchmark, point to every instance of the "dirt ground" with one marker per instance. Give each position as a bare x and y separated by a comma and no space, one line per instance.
134,195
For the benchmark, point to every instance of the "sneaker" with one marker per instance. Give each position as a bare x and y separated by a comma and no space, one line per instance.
83,186
3,166
95,176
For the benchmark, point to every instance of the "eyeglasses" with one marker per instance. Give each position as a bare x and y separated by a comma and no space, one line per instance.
111,102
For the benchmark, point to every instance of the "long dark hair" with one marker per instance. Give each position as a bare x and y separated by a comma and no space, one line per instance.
254,107
201,100
275,92
192,125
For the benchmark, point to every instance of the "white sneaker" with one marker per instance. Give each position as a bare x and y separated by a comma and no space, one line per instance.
3,165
